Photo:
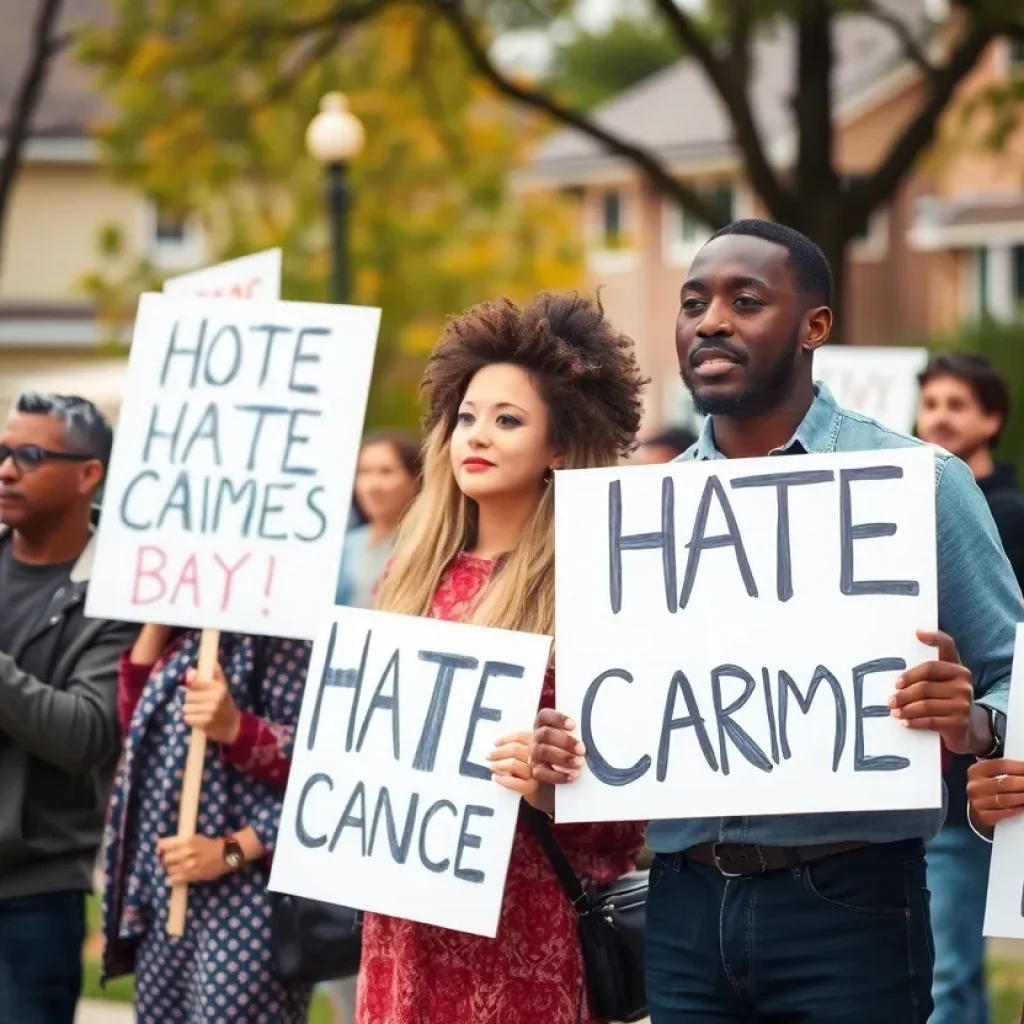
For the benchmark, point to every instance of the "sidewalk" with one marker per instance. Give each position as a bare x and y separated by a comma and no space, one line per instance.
92,1012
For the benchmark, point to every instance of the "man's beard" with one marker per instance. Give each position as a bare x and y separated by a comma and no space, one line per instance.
758,396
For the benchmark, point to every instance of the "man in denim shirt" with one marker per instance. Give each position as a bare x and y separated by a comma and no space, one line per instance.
820,918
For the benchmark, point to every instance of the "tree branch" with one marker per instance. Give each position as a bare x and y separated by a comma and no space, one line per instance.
421,59
912,47
656,173
874,189
45,45
344,15
730,78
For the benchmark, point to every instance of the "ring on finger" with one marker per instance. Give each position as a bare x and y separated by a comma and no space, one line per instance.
999,799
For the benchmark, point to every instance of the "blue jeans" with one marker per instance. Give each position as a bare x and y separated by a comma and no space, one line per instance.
843,940
41,957
958,878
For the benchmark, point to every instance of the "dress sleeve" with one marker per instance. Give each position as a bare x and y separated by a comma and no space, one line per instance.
131,681
263,749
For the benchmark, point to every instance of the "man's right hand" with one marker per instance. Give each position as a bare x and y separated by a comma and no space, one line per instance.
556,756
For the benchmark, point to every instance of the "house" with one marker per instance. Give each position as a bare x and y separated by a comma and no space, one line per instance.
63,199
948,246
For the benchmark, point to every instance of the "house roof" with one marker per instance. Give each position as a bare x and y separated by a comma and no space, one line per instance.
71,100
677,115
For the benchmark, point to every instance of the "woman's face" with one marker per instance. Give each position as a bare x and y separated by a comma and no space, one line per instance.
384,487
500,447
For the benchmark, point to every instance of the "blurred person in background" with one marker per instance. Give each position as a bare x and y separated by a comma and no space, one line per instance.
663,446
387,480
963,406
222,970
58,702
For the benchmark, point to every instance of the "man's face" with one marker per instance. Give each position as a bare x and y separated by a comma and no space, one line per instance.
950,415
32,481
741,327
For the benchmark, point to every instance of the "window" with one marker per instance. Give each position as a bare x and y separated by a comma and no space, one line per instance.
872,241
611,219
692,230
174,239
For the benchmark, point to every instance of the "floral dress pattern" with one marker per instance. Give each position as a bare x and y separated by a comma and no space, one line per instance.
532,972
221,971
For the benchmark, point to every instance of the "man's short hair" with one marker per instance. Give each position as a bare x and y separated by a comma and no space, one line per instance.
807,263
978,373
87,430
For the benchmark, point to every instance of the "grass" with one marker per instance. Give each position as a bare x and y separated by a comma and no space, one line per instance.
122,990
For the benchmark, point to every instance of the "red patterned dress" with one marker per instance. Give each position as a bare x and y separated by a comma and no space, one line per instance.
532,972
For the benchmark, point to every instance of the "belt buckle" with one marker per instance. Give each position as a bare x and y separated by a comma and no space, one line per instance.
718,862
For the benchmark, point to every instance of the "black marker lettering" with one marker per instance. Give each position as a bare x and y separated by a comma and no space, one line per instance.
865,531
605,771
782,482
295,438
146,474
315,492
468,841
692,718
882,762
270,509
430,737
769,703
173,350
787,686
385,703
699,542
246,493
348,819
234,356
262,412
178,500
744,742
301,832
468,768
154,433
399,848
441,865
207,429
299,356
665,540
272,331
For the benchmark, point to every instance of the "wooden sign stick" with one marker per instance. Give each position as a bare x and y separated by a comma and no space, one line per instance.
192,782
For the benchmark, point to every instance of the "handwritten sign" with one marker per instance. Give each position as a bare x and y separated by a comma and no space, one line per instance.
729,633
250,277
875,381
390,804
1004,909
233,464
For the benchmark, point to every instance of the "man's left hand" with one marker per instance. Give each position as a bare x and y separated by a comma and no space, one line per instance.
192,859
937,695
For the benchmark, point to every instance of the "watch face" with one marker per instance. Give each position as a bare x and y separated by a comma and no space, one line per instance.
233,855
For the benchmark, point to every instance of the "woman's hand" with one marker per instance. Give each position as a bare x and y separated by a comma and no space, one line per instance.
555,754
995,790
192,859
150,644
208,706
510,767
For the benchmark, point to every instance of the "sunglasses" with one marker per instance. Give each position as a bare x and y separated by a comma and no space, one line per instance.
28,457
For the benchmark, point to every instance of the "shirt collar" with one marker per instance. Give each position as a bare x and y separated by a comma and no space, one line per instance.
816,433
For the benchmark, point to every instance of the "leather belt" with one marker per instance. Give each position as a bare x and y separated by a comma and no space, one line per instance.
744,860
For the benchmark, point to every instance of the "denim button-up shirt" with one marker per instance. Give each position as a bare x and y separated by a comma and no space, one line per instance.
979,606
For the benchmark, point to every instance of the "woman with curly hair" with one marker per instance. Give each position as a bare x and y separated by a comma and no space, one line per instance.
514,394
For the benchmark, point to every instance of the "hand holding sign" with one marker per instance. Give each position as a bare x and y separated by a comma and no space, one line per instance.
210,707
556,755
937,695
995,790
510,765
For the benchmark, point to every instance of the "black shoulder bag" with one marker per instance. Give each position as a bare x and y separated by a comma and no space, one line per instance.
611,927
311,941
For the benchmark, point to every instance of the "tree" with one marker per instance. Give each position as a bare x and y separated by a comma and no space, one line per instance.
812,195
45,43
594,65
434,227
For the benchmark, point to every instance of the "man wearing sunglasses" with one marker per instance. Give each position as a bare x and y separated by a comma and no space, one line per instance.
58,701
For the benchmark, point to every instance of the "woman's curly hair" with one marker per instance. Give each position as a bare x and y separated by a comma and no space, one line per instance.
585,369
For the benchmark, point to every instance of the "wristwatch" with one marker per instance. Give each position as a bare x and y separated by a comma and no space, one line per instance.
234,855
997,723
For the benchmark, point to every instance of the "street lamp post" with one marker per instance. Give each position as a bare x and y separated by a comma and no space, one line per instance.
334,137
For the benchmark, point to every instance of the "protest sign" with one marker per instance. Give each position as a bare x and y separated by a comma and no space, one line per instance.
390,804
226,501
729,633
249,277
874,380
1004,909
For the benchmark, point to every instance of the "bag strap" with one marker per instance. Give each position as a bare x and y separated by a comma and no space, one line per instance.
540,824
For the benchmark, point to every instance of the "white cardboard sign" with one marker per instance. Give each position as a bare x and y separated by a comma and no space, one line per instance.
257,276
729,633
1004,910
225,505
875,380
390,805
